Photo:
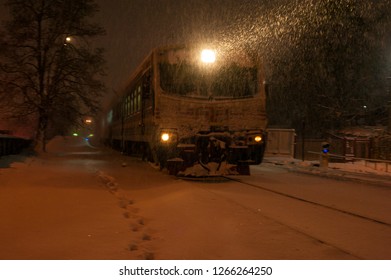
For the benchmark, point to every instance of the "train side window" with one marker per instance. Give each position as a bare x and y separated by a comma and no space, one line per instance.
124,107
130,104
139,98
134,102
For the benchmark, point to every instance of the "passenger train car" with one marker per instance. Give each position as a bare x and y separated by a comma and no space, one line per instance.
185,107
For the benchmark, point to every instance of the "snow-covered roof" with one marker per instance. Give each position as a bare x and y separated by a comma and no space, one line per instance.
363,131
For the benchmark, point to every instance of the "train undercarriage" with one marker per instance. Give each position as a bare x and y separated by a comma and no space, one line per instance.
211,154
204,155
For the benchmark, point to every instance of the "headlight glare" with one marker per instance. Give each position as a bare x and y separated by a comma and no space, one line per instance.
165,137
258,138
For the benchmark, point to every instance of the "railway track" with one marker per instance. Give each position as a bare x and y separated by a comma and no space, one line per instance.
310,202
344,230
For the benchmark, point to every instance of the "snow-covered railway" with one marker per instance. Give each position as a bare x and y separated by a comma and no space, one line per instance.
187,107
313,202
345,216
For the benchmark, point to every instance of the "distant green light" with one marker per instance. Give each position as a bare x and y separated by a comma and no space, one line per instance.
75,134
91,135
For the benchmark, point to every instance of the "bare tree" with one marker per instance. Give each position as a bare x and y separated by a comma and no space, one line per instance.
49,67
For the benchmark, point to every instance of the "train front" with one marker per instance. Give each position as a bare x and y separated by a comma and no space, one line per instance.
209,111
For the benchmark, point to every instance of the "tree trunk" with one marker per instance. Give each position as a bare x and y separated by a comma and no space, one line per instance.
40,139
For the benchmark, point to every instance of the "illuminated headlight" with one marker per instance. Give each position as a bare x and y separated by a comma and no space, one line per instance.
165,137
168,136
208,56
258,138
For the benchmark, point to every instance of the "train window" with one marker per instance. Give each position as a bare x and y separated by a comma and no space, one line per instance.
136,101
229,81
131,103
124,106
235,81
139,98
181,79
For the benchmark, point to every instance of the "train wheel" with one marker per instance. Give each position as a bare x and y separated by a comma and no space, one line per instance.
153,155
149,156
243,169
161,157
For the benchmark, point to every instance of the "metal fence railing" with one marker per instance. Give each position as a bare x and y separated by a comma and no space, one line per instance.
376,164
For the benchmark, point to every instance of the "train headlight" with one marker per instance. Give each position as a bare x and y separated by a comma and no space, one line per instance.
208,56
165,137
258,138
168,136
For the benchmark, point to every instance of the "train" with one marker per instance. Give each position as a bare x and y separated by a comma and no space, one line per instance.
192,110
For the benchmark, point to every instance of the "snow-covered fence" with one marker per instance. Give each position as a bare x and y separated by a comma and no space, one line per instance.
377,164
302,148
12,145
280,142
382,165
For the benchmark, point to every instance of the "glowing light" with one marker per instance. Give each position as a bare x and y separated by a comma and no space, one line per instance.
258,138
88,121
68,39
208,56
165,137
75,134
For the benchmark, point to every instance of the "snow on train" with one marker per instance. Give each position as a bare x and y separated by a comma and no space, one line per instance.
193,112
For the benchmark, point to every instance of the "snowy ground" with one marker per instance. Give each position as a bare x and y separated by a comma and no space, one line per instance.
55,206
78,202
